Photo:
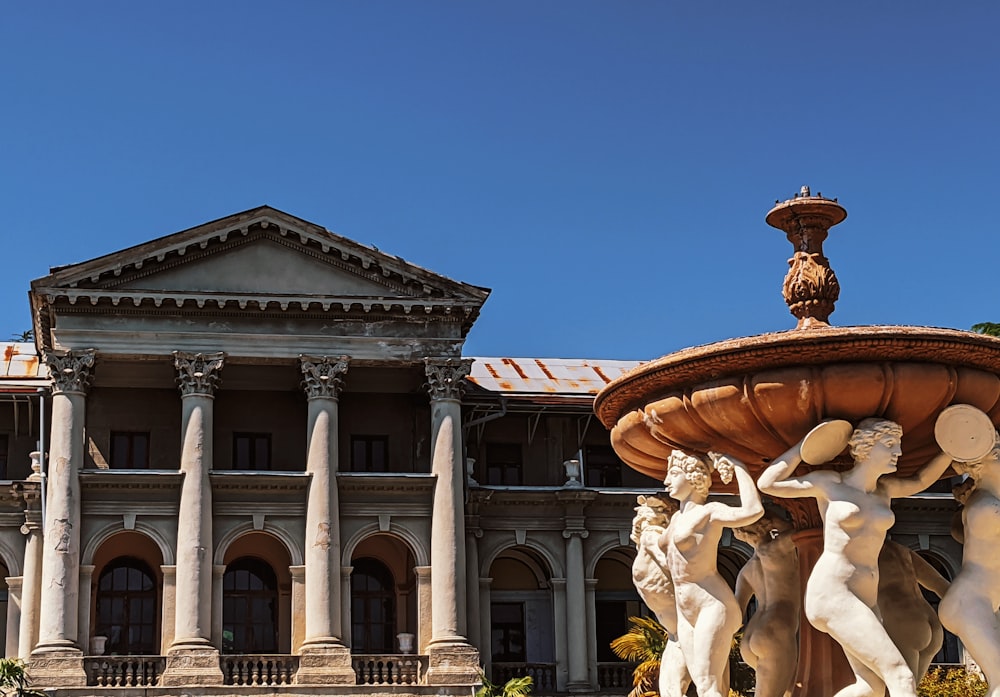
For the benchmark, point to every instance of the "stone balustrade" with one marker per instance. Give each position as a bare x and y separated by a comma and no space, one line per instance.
543,675
615,674
389,669
124,671
259,670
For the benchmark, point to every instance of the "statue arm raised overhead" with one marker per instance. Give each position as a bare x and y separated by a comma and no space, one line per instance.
750,508
901,487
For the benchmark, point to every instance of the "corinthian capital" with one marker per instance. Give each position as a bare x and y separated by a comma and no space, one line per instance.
322,375
444,376
71,371
198,373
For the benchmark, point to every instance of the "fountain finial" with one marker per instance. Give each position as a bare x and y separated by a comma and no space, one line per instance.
811,288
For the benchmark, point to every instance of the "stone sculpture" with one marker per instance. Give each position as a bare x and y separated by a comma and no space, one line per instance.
909,619
770,637
842,591
969,608
651,577
707,612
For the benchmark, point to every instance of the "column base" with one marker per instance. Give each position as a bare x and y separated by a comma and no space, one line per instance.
56,665
325,662
452,662
579,687
192,664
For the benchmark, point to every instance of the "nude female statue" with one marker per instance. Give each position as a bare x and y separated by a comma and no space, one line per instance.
651,578
907,617
841,597
770,638
969,608
707,613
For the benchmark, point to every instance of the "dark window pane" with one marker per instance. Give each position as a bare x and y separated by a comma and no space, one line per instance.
126,607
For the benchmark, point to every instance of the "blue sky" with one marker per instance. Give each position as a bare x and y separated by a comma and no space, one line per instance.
605,167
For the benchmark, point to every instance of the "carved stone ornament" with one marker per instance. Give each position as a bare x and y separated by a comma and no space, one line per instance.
71,371
444,376
198,373
322,375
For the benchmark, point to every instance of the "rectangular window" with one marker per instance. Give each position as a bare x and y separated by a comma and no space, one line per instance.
251,451
129,450
504,464
603,468
507,633
369,453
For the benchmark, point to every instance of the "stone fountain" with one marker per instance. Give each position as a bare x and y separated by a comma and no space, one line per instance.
755,397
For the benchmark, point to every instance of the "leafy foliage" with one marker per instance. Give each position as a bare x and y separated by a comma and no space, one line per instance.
951,682
990,328
515,687
14,679
24,337
741,676
643,643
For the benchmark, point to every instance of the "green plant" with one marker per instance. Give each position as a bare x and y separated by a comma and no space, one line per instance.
643,644
515,687
14,679
989,328
951,682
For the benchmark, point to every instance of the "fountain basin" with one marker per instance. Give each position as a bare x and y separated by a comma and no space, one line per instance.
755,397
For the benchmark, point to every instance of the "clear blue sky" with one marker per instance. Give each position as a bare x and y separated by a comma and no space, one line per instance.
604,167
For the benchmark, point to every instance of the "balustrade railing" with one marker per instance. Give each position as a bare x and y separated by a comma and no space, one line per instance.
389,669
543,675
615,674
124,671
259,670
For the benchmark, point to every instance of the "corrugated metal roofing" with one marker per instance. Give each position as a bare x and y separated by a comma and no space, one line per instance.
19,365
556,376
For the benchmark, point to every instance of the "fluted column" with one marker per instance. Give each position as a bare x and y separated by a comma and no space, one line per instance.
325,658
576,614
192,659
452,659
31,583
60,595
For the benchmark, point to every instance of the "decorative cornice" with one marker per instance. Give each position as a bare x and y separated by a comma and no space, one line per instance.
198,373
322,375
71,371
445,377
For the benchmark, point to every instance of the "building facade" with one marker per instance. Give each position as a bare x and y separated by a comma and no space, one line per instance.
271,467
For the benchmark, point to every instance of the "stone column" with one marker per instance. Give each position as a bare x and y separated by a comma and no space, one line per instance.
57,660
486,623
192,659
576,613
345,603
424,604
83,623
559,614
31,584
325,660
451,660
475,632
168,611
218,575
592,630
12,639
298,574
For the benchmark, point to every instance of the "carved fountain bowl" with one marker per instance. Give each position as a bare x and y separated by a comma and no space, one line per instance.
755,397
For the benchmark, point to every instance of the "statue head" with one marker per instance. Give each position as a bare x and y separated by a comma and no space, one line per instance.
768,527
696,471
652,510
869,432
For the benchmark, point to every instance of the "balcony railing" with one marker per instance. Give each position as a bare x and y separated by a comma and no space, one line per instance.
615,674
259,670
389,669
124,671
543,675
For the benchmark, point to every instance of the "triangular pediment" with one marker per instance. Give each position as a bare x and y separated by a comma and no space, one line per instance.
259,253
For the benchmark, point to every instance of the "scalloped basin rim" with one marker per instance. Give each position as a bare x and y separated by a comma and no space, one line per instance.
815,346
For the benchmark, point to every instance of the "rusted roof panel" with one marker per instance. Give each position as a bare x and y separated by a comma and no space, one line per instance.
555,376
20,366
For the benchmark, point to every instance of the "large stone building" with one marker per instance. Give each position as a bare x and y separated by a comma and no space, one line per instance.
269,464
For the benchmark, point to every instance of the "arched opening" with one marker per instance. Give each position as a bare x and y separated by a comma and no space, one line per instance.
4,599
615,600
126,594
384,600
522,631
256,596
950,648
730,561
249,607
126,607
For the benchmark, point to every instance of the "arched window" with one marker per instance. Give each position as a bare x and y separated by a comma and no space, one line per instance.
249,607
126,607
373,607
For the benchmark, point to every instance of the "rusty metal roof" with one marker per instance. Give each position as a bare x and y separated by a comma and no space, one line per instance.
20,367
541,376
